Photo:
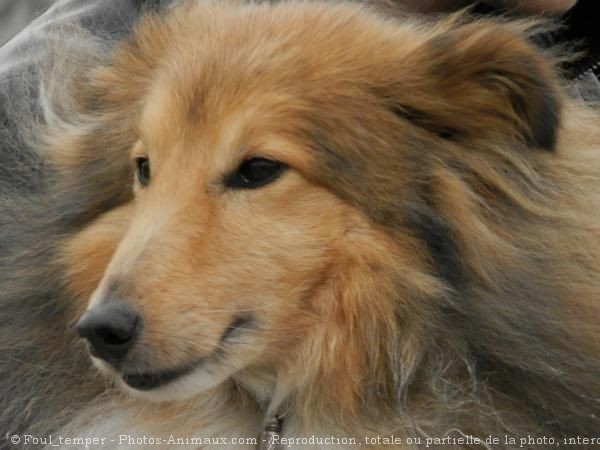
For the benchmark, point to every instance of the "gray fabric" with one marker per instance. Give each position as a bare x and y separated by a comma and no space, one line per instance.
99,16
19,103
587,87
16,14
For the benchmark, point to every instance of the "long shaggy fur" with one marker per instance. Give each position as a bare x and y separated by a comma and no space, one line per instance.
453,185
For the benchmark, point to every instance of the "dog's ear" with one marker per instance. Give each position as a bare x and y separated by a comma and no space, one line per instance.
483,80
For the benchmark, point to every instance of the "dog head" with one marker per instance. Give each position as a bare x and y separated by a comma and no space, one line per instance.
302,189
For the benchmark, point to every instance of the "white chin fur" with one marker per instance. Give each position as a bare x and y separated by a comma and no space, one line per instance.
201,379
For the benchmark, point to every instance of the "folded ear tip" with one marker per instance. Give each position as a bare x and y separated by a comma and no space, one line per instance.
508,79
544,127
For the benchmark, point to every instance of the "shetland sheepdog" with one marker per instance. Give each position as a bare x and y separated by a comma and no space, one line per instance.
322,221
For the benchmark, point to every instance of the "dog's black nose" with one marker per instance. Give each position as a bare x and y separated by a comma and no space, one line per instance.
110,329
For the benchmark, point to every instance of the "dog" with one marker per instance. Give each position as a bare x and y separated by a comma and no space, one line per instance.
317,219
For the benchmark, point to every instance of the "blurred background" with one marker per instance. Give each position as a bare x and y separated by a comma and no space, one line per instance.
16,14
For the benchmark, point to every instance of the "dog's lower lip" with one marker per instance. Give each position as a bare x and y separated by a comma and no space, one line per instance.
153,380
146,381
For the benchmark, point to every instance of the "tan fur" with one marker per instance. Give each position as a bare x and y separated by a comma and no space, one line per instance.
356,330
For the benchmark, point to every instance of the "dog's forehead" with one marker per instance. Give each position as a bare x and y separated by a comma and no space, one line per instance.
284,73
176,116
231,58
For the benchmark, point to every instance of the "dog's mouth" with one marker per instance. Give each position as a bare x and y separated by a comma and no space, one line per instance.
153,380
148,380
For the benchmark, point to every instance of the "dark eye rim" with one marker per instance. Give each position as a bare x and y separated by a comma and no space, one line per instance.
140,163
237,180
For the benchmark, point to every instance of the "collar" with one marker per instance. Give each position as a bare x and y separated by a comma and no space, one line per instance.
268,439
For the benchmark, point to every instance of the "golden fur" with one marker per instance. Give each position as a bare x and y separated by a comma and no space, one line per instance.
427,267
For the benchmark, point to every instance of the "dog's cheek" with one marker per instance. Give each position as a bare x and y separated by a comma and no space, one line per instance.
86,255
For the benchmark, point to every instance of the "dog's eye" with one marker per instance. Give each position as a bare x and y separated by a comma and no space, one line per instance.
143,170
256,172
